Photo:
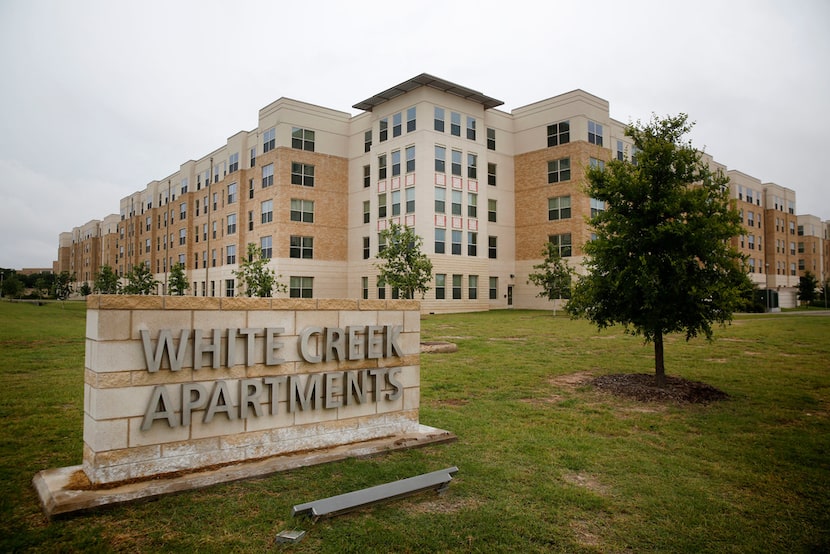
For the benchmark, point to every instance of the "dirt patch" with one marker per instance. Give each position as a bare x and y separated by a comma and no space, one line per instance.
443,504
642,387
572,380
438,347
586,480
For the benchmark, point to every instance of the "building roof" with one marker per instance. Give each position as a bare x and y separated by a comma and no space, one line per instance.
427,80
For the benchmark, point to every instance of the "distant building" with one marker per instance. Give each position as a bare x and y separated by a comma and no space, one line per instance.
485,189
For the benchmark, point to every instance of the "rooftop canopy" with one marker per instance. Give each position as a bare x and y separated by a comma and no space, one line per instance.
427,80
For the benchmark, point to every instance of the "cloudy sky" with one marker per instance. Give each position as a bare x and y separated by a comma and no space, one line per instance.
100,97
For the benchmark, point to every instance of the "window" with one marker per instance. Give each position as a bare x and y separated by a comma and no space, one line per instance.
456,163
792,269
267,211
250,188
494,288
301,287
233,162
410,159
751,242
492,247
231,224
147,246
491,210
800,247
559,208
383,129
595,163
594,133
148,223
792,228
253,156
563,242
267,175
472,287
266,247
182,237
456,242
456,287
597,206
269,140
230,254
381,290
455,124
232,193
302,247
620,151
182,212
559,133
491,174
472,163
438,124
184,185
302,174
791,206
367,207
302,210
559,170
792,248
382,205
396,124
440,159
367,140
491,138
229,288
366,248
250,220
750,219
410,119
800,230
381,243
471,128
396,163
410,200
472,244
302,139
472,204
382,166
440,200
440,286
440,240
367,176
396,202
456,202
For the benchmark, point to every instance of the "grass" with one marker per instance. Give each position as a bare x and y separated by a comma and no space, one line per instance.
545,463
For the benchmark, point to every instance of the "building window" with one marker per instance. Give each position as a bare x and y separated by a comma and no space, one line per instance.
267,211
751,242
597,207
620,151
494,288
302,174
301,287
364,285
230,286
269,140
302,210
182,212
233,162
302,139
491,138
366,248
182,237
410,119
559,133
438,124
253,156
440,159
471,128
594,133
250,220
472,166
381,243
491,174
382,167
750,219
559,170
381,290
456,242
456,287
440,286
383,130
792,228
230,254
492,247
382,205
456,202
440,240
367,176
491,210
396,124
232,193
367,140
396,163
455,124
472,243
410,159
146,246
301,247
559,208
267,175
792,269
472,204
595,163
800,247
562,242
367,207
266,247
792,249
472,287
440,200
456,163
231,224
410,200
396,202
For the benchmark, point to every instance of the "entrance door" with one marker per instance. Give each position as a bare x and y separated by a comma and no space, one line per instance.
509,295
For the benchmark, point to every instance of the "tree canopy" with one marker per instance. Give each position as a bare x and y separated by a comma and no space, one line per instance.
106,281
403,266
553,275
178,283
661,261
255,277
140,281
808,288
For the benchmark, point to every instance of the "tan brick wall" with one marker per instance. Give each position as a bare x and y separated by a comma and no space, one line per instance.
118,385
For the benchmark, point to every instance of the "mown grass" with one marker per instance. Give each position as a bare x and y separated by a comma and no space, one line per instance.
545,462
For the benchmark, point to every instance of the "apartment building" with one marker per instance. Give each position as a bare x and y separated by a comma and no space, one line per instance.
485,189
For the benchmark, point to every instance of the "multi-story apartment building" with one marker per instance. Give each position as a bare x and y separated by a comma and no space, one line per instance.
485,189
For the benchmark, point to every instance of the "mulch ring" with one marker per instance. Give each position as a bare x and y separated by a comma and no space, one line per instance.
642,387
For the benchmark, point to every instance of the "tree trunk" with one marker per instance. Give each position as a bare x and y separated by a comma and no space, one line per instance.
659,367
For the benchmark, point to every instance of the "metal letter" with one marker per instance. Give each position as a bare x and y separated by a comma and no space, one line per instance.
374,342
331,390
159,407
357,342
199,348
392,346
397,386
305,338
355,385
271,345
189,403
274,384
165,342
247,397
334,344
250,342
219,402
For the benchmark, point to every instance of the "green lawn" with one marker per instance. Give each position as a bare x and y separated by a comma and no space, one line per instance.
545,462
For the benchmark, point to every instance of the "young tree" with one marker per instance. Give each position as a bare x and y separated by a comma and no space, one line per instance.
661,261
807,288
86,290
178,283
403,266
140,281
106,282
254,275
553,275
12,286
63,285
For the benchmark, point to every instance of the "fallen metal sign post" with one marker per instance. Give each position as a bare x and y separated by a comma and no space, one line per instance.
334,505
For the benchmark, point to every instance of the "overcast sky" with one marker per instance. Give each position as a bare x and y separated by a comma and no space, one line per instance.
98,98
